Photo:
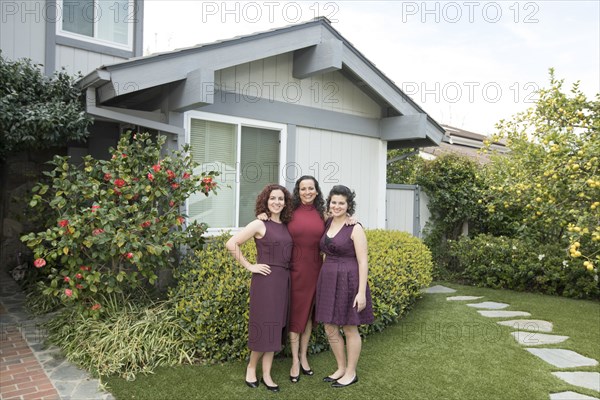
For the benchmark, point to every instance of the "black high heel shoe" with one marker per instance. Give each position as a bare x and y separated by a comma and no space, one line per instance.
252,385
341,385
308,372
295,379
271,388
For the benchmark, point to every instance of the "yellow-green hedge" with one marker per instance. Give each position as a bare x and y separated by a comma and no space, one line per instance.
213,289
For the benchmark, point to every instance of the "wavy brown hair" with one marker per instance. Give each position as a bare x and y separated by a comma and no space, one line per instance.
263,198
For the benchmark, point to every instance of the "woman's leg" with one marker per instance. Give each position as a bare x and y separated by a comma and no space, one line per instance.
304,340
251,369
295,345
353,347
336,342
267,362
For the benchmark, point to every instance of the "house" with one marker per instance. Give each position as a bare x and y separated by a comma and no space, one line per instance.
463,143
268,107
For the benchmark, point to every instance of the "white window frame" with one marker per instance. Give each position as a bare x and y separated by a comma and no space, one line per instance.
95,39
239,122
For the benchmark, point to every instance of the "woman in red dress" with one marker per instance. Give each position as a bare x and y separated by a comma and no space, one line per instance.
306,228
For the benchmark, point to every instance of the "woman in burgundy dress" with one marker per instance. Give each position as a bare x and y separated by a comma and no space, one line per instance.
343,295
269,290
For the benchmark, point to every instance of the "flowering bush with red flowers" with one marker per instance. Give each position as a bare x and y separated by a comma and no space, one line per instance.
115,223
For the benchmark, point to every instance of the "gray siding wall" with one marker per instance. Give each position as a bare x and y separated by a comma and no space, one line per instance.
336,158
23,30
84,61
271,78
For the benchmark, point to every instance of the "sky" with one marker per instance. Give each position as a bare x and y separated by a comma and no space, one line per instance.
468,64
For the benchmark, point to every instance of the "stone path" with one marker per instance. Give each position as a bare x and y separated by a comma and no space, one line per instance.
28,368
528,334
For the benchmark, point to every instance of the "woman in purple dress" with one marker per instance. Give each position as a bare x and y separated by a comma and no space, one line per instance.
269,289
343,295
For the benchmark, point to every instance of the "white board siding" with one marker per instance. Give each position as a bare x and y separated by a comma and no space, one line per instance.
337,158
22,34
84,61
273,75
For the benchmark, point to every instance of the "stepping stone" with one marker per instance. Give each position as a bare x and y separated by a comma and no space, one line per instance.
588,380
570,396
492,305
535,325
460,298
504,314
535,339
439,289
563,358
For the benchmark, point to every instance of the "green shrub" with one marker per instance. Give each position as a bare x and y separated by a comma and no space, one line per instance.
123,337
212,291
507,263
114,224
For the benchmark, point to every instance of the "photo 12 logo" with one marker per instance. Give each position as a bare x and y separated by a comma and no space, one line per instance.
470,11
267,11
471,92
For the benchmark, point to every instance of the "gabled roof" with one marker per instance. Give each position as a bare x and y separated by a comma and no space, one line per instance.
141,82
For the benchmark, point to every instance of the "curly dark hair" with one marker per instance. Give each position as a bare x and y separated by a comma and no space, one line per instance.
345,191
263,198
319,202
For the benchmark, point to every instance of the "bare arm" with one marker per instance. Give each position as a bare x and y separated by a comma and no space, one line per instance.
360,247
256,229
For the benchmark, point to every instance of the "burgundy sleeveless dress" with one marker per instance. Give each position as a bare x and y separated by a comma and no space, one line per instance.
306,229
269,294
338,282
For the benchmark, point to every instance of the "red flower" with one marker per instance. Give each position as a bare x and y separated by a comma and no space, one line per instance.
79,286
174,185
119,183
156,167
84,268
129,255
96,306
150,177
107,177
180,220
186,175
207,179
170,174
63,222
78,275
39,263
95,208
67,279
146,224
68,292
98,231
171,203
124,155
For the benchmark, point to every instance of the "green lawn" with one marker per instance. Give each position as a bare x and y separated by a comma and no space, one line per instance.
440,350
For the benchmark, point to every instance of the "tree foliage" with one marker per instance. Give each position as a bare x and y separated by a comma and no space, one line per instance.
404,166
452,185
547,187
38,112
